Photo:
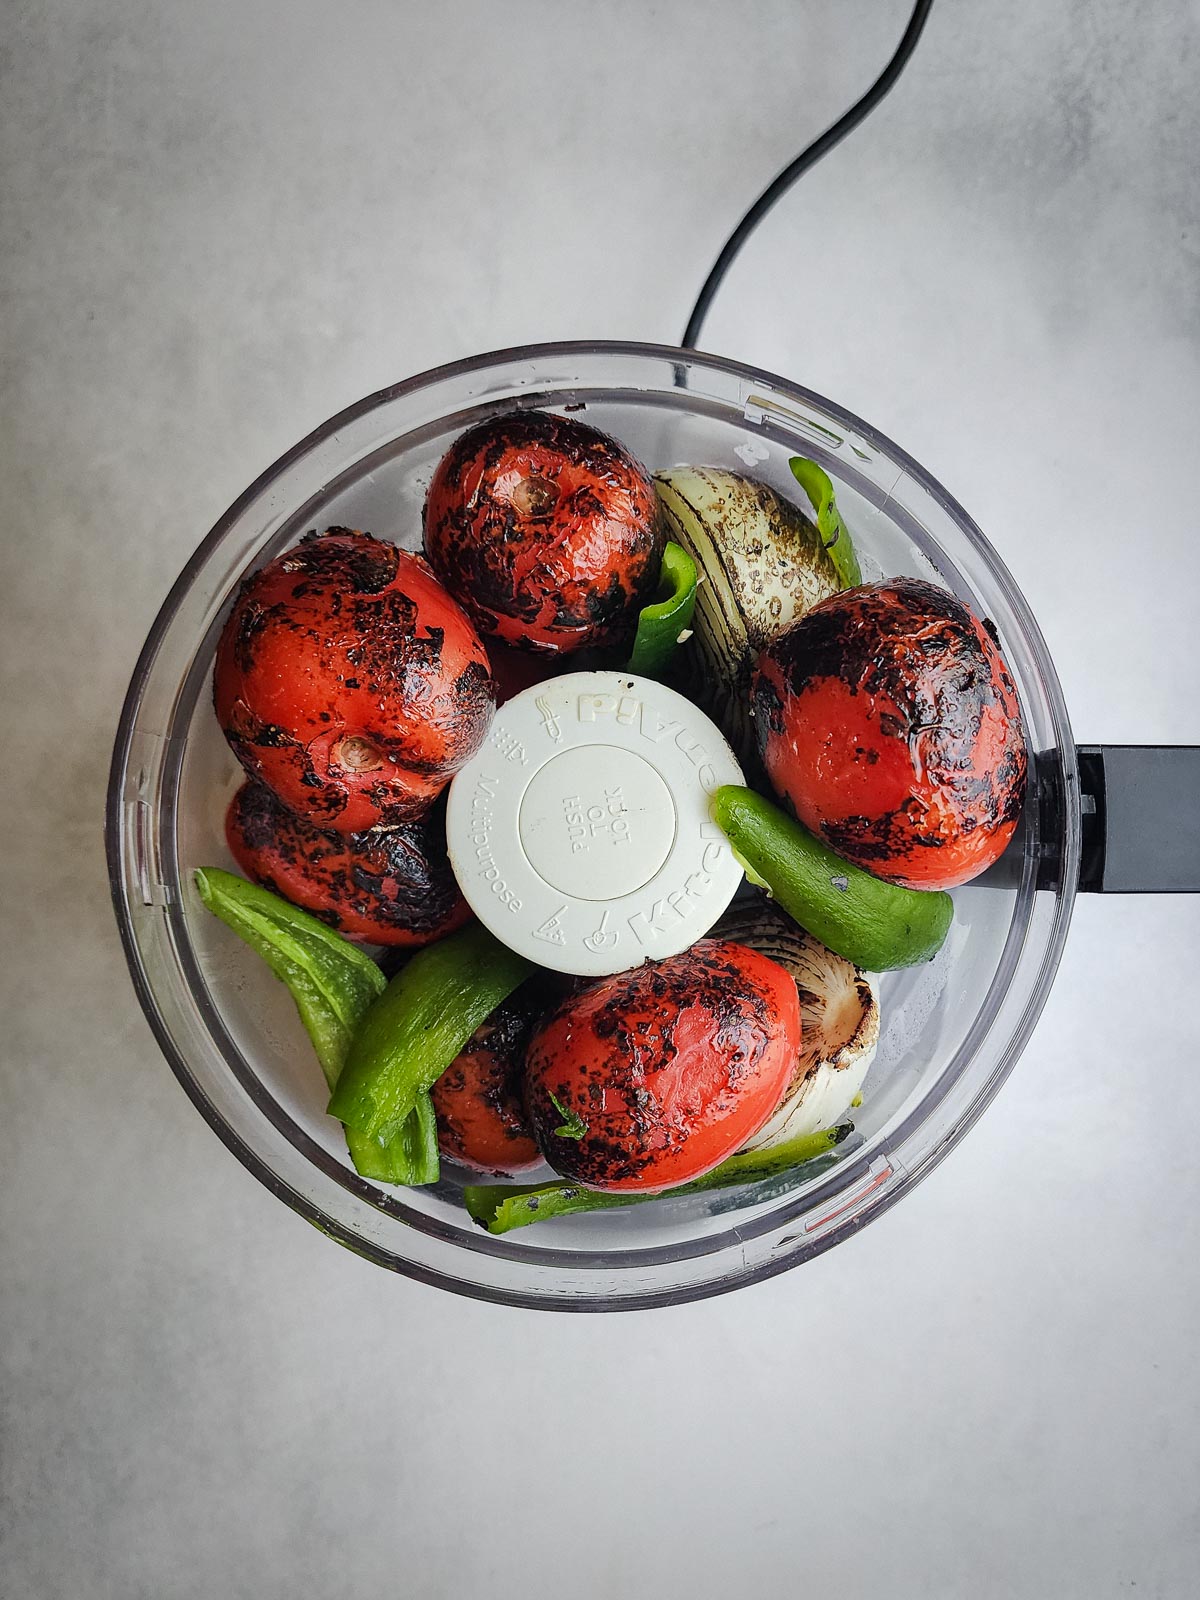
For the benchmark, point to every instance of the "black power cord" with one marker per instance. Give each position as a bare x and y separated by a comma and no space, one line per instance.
806,159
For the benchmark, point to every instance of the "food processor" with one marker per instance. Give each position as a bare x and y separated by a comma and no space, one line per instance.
951,1030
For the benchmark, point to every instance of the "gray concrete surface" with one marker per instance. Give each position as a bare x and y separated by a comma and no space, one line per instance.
223,222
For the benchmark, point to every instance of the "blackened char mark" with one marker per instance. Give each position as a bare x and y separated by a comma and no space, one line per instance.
256,813
362,563
1009,782
252,619
382,626
473,688
603,606
402,875
766,707
884,838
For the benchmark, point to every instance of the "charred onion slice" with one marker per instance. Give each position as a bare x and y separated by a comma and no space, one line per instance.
762,565
839,1016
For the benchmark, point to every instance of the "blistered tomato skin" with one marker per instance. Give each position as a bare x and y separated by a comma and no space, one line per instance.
478,1099
546,530
389,886
888,720
664,1070
350,682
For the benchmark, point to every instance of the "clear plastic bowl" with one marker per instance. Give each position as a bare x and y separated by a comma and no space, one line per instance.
951,1029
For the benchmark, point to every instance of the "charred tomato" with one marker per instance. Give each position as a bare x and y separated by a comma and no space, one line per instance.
888,720
478,1099
546,530
350,682
390,886
652,1077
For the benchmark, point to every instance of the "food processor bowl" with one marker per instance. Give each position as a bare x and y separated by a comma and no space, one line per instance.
951,1029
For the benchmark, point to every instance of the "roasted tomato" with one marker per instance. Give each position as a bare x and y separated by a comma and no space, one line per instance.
652,1077
388,886
478,1099
350,682
547,531
888,720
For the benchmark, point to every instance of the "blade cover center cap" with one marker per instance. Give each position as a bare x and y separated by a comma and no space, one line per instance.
580,833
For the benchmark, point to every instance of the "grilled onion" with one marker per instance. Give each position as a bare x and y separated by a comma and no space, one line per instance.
839,1015
763,565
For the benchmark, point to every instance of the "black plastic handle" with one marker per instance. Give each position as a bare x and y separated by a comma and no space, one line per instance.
1141,818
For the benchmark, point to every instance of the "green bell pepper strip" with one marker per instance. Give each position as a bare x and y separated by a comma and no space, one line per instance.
502,1207
331,981
411,1156
835,535
417,1026
333,984
876,925
667,616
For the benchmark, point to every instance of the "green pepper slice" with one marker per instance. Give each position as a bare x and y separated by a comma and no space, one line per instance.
502,1207
417,1026
410,1157
835,535
333,984
876,925
667,616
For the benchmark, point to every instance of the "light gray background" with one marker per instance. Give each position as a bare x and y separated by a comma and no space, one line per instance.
221,223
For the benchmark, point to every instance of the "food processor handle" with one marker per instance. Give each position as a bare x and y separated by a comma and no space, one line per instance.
1141,818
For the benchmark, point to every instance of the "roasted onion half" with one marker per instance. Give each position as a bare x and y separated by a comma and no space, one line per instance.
839,1021
762,566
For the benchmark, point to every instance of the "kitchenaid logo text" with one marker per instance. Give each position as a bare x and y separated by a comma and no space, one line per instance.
629,711
666,914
